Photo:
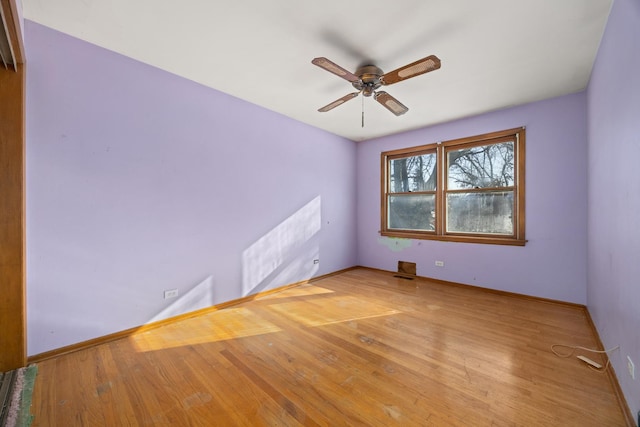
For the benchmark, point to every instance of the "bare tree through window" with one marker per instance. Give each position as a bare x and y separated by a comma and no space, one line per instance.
486,171
480,192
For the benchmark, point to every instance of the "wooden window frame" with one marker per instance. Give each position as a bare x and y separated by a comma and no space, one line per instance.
517,135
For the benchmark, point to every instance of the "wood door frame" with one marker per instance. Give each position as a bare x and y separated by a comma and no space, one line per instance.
12,200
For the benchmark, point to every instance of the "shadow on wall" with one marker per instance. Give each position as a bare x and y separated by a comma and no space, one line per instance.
285,254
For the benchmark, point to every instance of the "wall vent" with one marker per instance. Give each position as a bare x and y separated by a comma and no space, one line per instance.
406,270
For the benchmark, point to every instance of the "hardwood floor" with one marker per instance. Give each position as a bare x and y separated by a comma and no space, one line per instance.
358,348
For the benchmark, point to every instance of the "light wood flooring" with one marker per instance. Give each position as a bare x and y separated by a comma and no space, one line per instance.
359,348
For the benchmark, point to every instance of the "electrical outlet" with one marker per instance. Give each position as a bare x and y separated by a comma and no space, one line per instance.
631,367
439,263
170,293
316,261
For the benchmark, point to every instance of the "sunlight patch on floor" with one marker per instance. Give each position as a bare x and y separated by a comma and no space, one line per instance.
299,291
325,311
225,324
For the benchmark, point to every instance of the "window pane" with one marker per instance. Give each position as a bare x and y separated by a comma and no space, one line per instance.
490,212
484,166
415,173
412,212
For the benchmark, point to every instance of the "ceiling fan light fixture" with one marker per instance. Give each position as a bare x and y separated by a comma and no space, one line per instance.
367,90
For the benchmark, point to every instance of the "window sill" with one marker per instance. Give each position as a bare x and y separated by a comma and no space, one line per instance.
455,238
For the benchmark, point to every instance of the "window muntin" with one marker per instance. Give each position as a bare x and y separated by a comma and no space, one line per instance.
470,189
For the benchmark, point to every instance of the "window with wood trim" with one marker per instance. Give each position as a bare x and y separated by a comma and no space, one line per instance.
464,190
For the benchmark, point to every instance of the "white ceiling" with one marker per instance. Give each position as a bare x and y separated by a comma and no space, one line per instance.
494,53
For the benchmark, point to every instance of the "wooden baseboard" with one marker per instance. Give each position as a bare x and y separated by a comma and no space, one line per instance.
489,290
148,326
611,374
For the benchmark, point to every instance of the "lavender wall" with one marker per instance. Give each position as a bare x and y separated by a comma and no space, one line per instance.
613,288
552,264
139,181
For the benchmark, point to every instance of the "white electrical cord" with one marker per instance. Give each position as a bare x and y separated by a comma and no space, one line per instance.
576,347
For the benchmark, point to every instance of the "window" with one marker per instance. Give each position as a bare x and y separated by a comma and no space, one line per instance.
465,190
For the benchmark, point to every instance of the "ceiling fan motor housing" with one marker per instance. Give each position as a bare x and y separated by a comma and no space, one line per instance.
369,79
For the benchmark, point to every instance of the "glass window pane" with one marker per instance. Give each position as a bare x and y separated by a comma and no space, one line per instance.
412,212
490,212
485,166
415,173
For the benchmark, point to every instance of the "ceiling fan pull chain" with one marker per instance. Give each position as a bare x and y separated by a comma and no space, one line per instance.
363,111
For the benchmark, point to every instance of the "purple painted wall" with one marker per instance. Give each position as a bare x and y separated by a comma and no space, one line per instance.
613,287
139,181
553,263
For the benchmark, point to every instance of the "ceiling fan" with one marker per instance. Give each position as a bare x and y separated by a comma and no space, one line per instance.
368,78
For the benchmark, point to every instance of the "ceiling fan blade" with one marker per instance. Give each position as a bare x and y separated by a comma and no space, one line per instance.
390,103
424,65
337,102
335,69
